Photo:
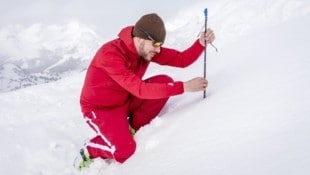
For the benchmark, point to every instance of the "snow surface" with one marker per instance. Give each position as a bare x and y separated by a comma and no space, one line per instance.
255,119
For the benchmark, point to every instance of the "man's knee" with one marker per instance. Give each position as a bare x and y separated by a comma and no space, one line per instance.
124,151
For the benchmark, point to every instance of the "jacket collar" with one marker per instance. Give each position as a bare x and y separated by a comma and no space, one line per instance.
126,36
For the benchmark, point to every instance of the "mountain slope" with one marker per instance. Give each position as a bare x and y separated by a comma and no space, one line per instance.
254,120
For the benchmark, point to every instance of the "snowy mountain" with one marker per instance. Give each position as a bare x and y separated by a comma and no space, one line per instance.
12,77
255,119
44,53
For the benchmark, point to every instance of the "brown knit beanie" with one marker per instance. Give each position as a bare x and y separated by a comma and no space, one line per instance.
153,25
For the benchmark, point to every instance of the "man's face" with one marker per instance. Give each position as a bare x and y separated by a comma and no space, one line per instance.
147,50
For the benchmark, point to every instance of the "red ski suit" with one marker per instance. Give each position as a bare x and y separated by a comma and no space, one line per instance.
114,95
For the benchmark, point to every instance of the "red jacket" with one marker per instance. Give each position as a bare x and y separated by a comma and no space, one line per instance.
116,71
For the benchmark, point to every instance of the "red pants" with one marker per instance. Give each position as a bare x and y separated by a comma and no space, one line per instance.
114,140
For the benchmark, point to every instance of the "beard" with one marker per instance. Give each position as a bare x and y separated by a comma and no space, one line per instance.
144,54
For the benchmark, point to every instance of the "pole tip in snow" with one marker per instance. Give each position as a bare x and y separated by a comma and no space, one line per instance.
206,11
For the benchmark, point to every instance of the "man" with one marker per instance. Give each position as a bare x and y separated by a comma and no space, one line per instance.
116,102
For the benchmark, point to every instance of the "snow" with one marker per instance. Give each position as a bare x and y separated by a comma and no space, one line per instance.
255,119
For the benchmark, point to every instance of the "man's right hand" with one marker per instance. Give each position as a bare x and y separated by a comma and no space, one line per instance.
195,84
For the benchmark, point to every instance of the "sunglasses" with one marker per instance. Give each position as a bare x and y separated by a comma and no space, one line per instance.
155,43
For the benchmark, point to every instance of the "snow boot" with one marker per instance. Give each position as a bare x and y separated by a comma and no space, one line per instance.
83,160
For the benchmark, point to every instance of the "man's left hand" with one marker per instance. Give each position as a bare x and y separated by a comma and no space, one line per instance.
209,37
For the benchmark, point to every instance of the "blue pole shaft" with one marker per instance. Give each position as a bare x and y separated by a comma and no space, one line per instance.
205,52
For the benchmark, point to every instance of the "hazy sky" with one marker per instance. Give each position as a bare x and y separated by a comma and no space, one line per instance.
101,13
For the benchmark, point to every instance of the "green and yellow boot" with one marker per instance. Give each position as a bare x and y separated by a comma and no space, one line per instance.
83,160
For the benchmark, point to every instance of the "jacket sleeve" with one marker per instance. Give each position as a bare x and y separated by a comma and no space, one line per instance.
176,58
116,68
